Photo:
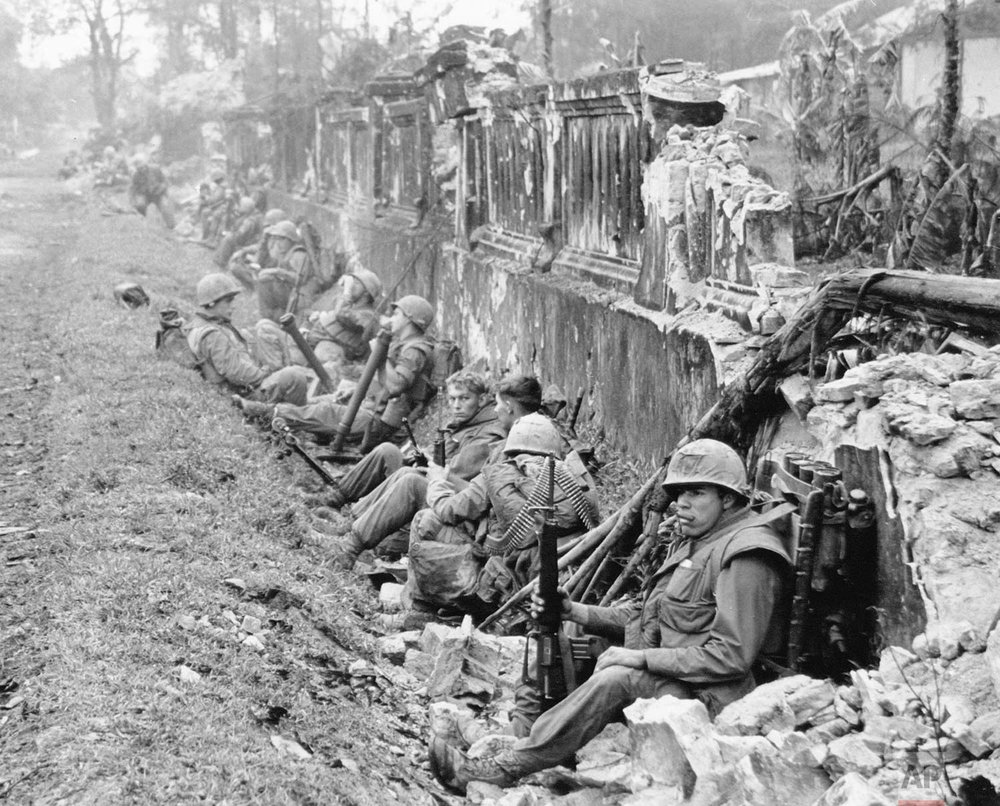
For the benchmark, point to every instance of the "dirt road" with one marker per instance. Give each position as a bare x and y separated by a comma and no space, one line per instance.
169,633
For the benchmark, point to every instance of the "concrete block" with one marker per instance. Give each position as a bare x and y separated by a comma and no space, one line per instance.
798,394
671,743
810,699
851,754
390,597
841,390
977,399
762,710
982,735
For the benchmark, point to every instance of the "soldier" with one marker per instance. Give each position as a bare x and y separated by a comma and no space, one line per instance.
246,231
401,385
246,263
295,281
340,336
149,187
396,493
695,631
226,354
491,516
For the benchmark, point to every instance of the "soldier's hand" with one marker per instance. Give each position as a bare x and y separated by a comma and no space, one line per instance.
619,656
436,473
537,603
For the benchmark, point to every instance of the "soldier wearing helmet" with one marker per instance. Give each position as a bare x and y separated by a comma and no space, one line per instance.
246,230
227,356
213,196
246,263
296,281
401,385
492,516
340,336
694,631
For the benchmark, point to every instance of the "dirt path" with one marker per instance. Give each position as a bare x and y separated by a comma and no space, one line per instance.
168,631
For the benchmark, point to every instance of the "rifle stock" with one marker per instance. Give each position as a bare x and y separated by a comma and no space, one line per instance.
282,429
375,361
289,325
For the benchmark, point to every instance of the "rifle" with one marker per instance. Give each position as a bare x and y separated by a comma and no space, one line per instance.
288,324
556,677
419,457
293,298
375,361
439,444
280,427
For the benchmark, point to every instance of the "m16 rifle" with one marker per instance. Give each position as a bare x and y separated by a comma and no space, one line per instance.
280,427
440,457
556,676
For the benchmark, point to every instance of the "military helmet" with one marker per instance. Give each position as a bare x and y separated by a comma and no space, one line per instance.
370,281
283,229
534,433
217,175
706,461
417,310
246,205
273,216
214,287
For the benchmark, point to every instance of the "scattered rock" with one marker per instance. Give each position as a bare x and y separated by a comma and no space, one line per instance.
251,625
838,391
762,710
390,597
851,754
852,790
289,747
982,735
976,399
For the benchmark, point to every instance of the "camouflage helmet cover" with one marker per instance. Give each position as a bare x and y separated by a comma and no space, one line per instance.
534,433
273,216
213,287
369,280
417,310
706,461
283,229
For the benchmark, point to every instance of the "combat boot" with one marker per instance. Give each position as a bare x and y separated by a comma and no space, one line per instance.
458,727
456,770
253,409
347,552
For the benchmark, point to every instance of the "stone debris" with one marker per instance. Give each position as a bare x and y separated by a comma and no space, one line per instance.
937,420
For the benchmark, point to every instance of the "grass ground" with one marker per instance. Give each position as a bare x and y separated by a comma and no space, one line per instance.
132,493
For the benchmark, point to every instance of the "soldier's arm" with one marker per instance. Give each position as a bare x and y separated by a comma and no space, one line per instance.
353,319
236,366
607,622
399,376
468,504
745,594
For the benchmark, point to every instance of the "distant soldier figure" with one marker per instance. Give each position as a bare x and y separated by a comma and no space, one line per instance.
245,263
295,282
149,187
695,630
247,229
226,355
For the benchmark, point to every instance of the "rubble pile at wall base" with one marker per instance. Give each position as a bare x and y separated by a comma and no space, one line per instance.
888,734
935,420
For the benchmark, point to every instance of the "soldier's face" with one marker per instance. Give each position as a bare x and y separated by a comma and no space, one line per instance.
699,508
224,307
463,403
278,246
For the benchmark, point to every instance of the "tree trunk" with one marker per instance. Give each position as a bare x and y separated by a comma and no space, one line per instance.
545,19
229,28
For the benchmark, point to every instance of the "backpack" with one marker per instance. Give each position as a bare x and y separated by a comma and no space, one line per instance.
172,342
446,360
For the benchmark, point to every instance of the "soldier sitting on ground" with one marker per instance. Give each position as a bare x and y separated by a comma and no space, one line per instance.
294,282
246,263
226,355
401,385
695,631
149,187
339,337
396,492
246,230
473,547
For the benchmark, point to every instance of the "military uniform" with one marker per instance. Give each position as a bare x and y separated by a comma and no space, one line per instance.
341,337
397,493
448,556
411,362
149,186
700,623
226,357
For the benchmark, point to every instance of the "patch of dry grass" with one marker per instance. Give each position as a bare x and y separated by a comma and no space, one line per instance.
153,492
